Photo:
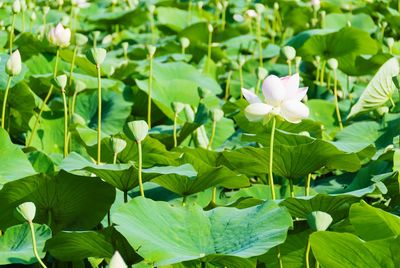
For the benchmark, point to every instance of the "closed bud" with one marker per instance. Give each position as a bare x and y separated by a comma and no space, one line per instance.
152,50
333,63
117,261
260,8
33,16
210,28
61,81
262,73
185,42
189,113
46,10
27,210
80,86
178,107
152,9
390,42
16,7
125,46
60,36
78,120
80,39
276,6
297,61
319,220
96,55
138,130
289,52
118,145
107,40
217,114
14,64
23,5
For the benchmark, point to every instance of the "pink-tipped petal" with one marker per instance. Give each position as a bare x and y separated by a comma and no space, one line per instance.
291,83
273,89
250,96
257,111
294,111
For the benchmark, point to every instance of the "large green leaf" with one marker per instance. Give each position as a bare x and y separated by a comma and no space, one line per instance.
14,163
362,21
164,234
64,201
379,89
16,244
363,216
348,251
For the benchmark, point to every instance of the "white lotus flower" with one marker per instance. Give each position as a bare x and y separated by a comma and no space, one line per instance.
60,36
117,261
282,97
27,210
14,64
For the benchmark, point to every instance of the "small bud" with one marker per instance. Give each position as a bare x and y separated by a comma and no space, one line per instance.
27,210
23,5
238,18
118,145
61,81
152,9
262,73
152,50
46,10
107,40
125,46
276,6
189,113
178,107
242,60
210,28
117,261
185,42
33,16
138,130
217,114
297,61
333,63
319,220
390,42
14,64
16,7
251,13
260,8
80,86
80,39
289,52
96,55
78,120
315,4
59,36
200,4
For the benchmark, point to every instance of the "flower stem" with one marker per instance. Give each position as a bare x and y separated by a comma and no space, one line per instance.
289,62
259,41
35,245
150,85
241,80
271,159
322,72
308,254
46,99
65,123
336,100
12,33
228,85
99,114
308,183
23,21
174,131
209,51
140,169
214,126
3,112
72,65
291,188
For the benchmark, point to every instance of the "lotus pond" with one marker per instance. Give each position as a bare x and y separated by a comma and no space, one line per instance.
185,133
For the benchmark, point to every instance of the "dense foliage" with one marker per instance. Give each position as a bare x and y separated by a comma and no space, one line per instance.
189,133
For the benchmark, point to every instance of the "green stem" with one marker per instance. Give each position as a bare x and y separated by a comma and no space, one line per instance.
73,103
35,245
23,21
140,169
72,65
184,201
183,51
214,126
336,100
174,131
223,19
392,102
46,99
291,188
279,256
209,51
289,62
115,156
12,33
308,254
189,12
149,92
125,196
318,72
260,48
241,80
228,85
3,111
271,159
322,72
308,183
65,123
99,114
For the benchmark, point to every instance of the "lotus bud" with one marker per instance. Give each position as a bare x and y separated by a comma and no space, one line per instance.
390,42
152,9
289,52
297,61
138,130
117,261
262,73
114,2
118,145
189,113
107,40
78,120
23,5
242,60
317,60
315,4
225,3
260,8
210,28
96,55
61,81
60,2
178,107
14,64
185,42
152,50
16,7
238,18
79,86
60,36
125,46
319,220
276,6
251,13
27,210
33,16
46,10
80,39
217,114
333,63
220,7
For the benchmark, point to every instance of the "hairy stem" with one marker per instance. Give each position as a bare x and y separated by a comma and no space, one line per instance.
336,99
3,111
35,252
65,123
140,169
271,159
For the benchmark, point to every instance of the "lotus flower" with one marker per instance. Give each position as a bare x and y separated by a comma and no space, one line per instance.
282,97
59,36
